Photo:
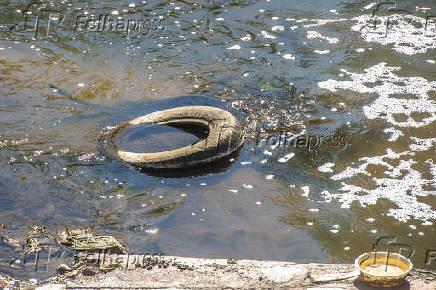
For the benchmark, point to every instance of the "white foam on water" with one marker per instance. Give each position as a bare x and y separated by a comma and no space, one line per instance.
246,37
422,8
422,144
408,34
400,183
289,56
321,51
403,187
313,35
235,47
376,160
320,22
86,157
306,190
266,35
395,134
277,28
370,5
287,157
386,106
326,195
327,167
152,231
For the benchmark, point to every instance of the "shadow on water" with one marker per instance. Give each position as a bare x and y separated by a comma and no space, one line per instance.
219,166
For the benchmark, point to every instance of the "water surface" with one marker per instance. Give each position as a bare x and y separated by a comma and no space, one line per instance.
315,68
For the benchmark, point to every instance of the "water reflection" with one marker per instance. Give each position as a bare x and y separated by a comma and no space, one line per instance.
288,64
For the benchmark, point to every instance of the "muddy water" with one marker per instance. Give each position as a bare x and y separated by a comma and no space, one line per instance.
364,94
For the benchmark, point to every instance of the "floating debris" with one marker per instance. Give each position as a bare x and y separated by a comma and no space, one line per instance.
83,239
62,268
36,238
12,241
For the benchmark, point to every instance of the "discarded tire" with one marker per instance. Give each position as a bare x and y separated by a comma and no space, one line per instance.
219,130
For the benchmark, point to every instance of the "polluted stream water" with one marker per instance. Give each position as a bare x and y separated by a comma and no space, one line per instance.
336,100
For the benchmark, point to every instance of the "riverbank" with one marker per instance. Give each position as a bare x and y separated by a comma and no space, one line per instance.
188,273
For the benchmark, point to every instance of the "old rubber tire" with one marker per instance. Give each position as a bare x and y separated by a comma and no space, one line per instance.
224,136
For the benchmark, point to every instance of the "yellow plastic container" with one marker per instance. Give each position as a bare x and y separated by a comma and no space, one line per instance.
383,268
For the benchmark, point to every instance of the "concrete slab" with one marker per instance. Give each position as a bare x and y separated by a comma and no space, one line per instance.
195,273
166,272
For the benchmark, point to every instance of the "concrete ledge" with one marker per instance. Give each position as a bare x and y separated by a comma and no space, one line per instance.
189,273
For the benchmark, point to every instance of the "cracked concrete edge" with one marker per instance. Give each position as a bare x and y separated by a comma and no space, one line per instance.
223,273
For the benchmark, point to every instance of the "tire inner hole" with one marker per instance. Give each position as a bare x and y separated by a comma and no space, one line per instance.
157,138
